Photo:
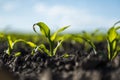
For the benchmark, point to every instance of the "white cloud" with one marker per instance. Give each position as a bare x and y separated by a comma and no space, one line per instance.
40,8
8,7
77,18
55,15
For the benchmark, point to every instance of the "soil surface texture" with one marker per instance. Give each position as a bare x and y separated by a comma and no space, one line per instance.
81,64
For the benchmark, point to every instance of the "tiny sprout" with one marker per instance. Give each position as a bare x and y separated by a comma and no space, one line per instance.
66,55
11,45
86,40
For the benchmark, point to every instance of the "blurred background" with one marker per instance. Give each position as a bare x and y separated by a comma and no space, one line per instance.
88,15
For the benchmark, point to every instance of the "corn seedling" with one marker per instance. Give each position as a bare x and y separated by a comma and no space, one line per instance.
51,38
79,38
112,40
11,45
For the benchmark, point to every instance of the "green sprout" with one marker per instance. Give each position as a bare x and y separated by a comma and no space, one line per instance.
81,38
11,45
51,38
90,43
112,40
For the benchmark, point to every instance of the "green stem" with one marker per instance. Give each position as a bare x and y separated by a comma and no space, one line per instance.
51,43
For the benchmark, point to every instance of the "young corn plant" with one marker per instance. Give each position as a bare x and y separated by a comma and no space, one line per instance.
51,38
112,40
11,45
88,41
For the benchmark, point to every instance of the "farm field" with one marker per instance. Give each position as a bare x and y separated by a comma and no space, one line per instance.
58,56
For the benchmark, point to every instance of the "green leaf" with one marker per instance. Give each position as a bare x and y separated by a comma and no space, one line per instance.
114,45
17,54
17,41
112,34
56,48
43,28
31,44
109,49
91,44
114,55
66,55
9,42
58,31
44,49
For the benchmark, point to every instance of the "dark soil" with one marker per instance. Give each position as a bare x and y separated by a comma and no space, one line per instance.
82,64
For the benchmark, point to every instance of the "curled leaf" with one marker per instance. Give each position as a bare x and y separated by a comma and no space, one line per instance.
43,28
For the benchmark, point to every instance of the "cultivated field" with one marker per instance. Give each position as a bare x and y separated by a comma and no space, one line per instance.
58,56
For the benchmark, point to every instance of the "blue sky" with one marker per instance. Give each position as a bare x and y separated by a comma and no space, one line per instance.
20,15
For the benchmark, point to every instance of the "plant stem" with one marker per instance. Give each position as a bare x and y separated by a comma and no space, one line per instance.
51,43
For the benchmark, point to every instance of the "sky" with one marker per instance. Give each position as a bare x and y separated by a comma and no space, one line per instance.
88,15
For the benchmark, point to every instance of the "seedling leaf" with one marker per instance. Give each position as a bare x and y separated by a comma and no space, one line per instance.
43,28
44,49
88,41
56,48
17,54
112,34
9,42
31,44
58,31
66,55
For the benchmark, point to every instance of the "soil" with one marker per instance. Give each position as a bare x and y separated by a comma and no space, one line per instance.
82,64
